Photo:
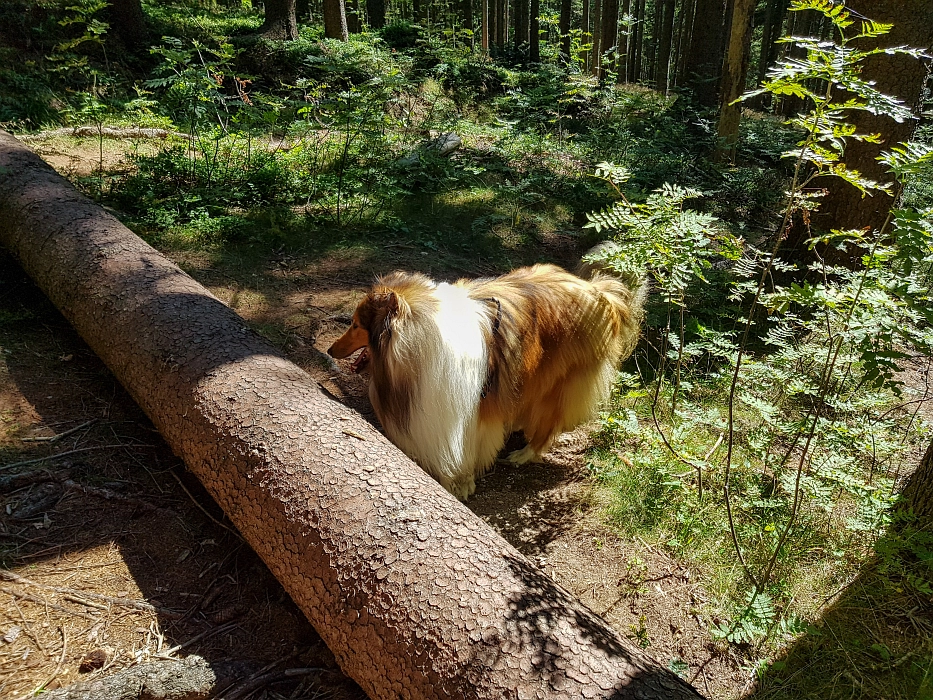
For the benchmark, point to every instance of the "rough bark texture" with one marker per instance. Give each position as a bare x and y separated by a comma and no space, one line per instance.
901,76
918,494
734,69
414,594
335,20
279,23
189,679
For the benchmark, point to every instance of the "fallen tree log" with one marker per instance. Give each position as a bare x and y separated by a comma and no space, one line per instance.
416,596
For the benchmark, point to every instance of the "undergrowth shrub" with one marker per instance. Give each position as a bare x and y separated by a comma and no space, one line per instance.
768,449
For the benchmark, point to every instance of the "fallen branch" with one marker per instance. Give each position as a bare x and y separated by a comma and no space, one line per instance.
189,679
78,595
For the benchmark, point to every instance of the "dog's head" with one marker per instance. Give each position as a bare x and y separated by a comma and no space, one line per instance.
371,325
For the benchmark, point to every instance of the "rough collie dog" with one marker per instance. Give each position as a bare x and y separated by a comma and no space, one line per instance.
455,368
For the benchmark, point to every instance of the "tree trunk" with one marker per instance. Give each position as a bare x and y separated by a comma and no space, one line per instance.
534,40
770,33
625,45
665,42
280,23
637,44
610,35
335,20
376,9
129,22
484,26
705,56
596,57
585,36
734,70
467,20
521,25
416,596
352,8
563,27
918,493
900,76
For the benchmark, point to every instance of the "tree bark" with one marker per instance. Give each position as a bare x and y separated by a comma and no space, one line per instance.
610,35
705,56
129,22
534,28
585,35
625,45
596,55
637,44
918,493
734,70
335,20
415,595
280,23
900,76
484,27
665,42
376,9
564,28
521,24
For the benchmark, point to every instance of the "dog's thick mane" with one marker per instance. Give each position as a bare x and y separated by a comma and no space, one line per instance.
456,367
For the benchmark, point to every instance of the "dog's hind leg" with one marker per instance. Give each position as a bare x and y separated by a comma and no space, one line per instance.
541,426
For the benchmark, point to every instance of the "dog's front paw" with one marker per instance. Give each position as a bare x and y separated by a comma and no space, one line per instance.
523,456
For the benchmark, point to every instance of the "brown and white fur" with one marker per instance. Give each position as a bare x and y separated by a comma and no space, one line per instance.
455,368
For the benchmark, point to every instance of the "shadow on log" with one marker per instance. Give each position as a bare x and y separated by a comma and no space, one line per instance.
415,595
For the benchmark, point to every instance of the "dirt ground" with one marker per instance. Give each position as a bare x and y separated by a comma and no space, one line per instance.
111,554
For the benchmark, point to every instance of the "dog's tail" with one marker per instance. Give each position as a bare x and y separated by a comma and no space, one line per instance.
626,293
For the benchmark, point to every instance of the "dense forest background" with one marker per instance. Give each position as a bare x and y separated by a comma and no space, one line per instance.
767,164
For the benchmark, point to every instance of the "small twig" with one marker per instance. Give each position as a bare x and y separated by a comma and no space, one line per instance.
66,592
353,433
11,465
41,601
56,438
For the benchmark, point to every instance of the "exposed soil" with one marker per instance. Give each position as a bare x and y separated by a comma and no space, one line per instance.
122,526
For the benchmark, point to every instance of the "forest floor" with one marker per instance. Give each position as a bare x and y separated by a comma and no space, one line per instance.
121,551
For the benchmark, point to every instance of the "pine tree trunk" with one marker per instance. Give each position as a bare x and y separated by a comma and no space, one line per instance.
521,25
564,28
900,76
129,22
534,45
335,20
466,19
918,493
354,25
597,54
638,54
734,71
416,596
484,26
376,9
280,23
665,42
703,68
586,36
625,44
610,35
